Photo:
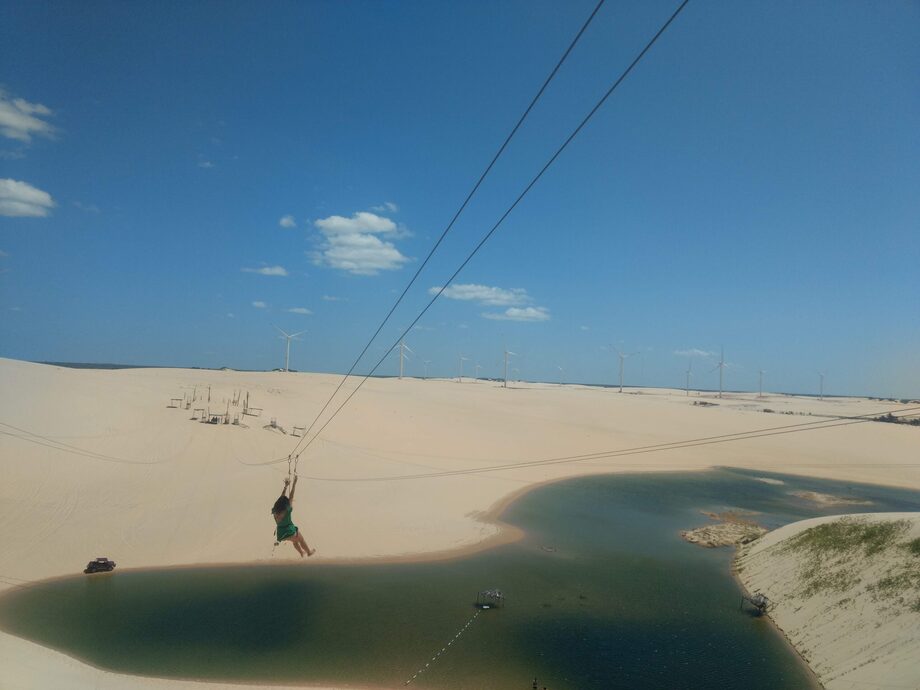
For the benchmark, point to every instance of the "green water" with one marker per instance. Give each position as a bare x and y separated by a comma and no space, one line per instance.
602,593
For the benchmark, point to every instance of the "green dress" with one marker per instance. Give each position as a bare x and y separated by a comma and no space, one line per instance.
286,528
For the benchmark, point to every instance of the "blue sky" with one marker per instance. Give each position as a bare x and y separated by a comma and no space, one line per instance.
167,168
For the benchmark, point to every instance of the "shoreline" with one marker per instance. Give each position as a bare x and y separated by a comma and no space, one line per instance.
507,534
204,508
774,626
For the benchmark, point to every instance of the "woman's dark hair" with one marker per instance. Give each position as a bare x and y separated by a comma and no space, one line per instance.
281,504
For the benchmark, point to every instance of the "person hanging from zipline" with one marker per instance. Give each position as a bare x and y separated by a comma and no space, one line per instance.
287,530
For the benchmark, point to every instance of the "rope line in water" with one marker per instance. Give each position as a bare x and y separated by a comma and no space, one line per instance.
444,648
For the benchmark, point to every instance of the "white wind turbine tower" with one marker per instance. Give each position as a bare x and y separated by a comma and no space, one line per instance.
689,374
622,356
403,349
821,389
561,374
426,363
721,367
478,367
760,385
462,360
287,352
508,353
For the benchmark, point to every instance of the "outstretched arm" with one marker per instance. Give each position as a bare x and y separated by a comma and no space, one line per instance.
293,486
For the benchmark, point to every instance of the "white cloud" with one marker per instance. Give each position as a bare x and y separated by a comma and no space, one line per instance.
22,199
488,296
231,315
333,298
300,310
352,244
287,221
89,208
15,308
20,120
205,164
694,352
258,304
361,222
585,328
520,314
386,207
12,155
267,270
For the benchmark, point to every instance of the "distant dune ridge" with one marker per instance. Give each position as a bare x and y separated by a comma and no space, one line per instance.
846,593
97,463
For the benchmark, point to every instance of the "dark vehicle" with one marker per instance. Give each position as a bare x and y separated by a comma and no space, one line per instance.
100,565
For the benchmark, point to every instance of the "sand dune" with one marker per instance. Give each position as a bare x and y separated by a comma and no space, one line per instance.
171,491
848,599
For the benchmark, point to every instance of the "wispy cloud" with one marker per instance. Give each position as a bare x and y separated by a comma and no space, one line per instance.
483,294
694,352
300,310
22,199
267,270
12,155
354,245
231,315
520,314
205,164
259,304
21,120
386,207
89,208
333,298
585,328
287,221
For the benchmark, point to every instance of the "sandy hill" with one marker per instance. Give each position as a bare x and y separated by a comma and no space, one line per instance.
846,592
97,462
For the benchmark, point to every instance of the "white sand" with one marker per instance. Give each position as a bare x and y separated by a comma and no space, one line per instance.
200,504
850,636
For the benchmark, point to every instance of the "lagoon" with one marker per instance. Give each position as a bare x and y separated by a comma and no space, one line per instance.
601,593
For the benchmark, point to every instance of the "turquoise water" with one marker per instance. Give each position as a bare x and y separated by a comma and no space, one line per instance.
601,593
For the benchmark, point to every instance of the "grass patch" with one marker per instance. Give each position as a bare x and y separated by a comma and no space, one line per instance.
833,548
849,536
913,547
896,585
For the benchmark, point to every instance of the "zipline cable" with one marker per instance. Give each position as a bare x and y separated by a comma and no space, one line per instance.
864,417
495,227
640,450
38,439
453,220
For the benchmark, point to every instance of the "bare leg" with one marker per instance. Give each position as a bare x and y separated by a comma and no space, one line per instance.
304,545
296,544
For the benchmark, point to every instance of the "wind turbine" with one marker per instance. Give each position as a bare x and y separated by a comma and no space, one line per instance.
622,356
760,386
507,354
462,360
561,373
426,362
689,375
289,337
721,367
478,367
403,348
821,389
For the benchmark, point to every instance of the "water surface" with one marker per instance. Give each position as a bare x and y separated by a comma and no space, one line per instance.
601,593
